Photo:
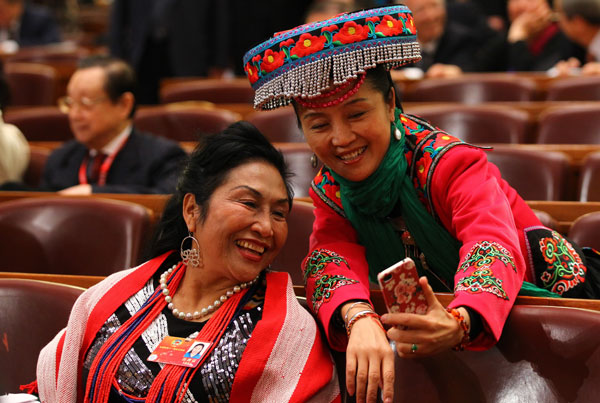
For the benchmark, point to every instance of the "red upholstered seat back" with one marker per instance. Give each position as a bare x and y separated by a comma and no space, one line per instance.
279,125
57,235
589,178
477,124
43,123
535,175
295,249
570,124
585,230
32,313
183,123
473,89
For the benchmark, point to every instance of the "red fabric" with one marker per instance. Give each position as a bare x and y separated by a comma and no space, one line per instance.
113,300
537,45
475,205
262,341
30,388
333,232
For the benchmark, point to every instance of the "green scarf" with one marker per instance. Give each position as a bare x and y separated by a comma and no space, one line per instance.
368,203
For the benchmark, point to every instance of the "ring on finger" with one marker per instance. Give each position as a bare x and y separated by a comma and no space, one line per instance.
413,348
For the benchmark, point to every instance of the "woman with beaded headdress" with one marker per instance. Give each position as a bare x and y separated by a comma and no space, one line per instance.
128,336
394,186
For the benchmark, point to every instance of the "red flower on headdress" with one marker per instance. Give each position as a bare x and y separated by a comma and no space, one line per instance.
308,44
389,26
409,24
351,32
251,72
272,60
372,19
330,28
288,42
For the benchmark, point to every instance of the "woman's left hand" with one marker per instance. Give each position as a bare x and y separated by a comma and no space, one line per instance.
432,333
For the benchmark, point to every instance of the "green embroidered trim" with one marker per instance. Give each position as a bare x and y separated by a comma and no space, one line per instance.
324,287
482,280
325,284
485,254
317,261
481,257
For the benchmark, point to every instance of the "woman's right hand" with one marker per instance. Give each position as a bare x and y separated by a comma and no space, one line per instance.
369,362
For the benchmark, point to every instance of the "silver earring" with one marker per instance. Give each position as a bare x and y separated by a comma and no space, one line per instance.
397,134
191,255
314,161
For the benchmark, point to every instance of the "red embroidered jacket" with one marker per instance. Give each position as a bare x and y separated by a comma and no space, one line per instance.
466,194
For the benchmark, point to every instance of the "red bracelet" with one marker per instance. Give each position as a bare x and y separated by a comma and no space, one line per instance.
461,322
362,314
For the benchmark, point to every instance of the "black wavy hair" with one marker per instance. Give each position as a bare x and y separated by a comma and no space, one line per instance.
205,170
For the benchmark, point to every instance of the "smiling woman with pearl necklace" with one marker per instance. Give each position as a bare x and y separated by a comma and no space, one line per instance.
208,282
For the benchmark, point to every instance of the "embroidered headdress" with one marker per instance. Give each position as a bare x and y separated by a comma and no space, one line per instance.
303,62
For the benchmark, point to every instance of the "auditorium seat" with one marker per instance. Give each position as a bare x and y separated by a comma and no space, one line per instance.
41,123
584,88
473,89
535,175
63,57
570,124
589,178
31,84
32,313
218,91
295,249
477,124
71,235
183,122
585,230
279,125
35,169
545,354
546,219
298,158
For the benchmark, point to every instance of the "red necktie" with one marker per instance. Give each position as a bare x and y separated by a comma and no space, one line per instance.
94,167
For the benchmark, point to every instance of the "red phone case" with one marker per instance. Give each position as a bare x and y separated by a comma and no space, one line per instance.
401,290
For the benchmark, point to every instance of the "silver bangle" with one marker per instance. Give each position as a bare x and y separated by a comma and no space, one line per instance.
352,306
360,313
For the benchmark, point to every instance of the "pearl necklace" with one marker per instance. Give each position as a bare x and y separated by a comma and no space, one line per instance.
204,311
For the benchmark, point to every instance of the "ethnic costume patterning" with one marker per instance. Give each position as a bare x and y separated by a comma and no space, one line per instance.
271,350
499,240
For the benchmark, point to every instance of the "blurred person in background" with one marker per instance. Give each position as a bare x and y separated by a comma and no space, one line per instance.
580,21
446,46
532,42
14,149
108,154
23,24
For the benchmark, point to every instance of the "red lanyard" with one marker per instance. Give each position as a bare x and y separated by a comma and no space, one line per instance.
104,168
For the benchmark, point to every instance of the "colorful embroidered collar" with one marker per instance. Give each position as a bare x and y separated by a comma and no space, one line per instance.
305,61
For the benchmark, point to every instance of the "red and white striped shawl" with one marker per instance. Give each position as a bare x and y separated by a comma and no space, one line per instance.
285,359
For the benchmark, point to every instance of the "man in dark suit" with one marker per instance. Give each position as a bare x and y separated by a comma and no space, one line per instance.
27,24
108,154
447,48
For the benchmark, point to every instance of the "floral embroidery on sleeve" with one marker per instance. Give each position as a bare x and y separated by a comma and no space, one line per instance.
481,257
565,268
325,284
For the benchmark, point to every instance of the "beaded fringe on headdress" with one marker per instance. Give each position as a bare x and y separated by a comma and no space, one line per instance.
311,77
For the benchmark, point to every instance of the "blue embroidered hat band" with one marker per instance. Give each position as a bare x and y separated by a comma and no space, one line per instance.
312,58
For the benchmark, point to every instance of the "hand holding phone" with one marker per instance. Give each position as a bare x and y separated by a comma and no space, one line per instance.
401,289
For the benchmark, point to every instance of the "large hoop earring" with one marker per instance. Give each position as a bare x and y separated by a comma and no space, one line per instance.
314,161
191,255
